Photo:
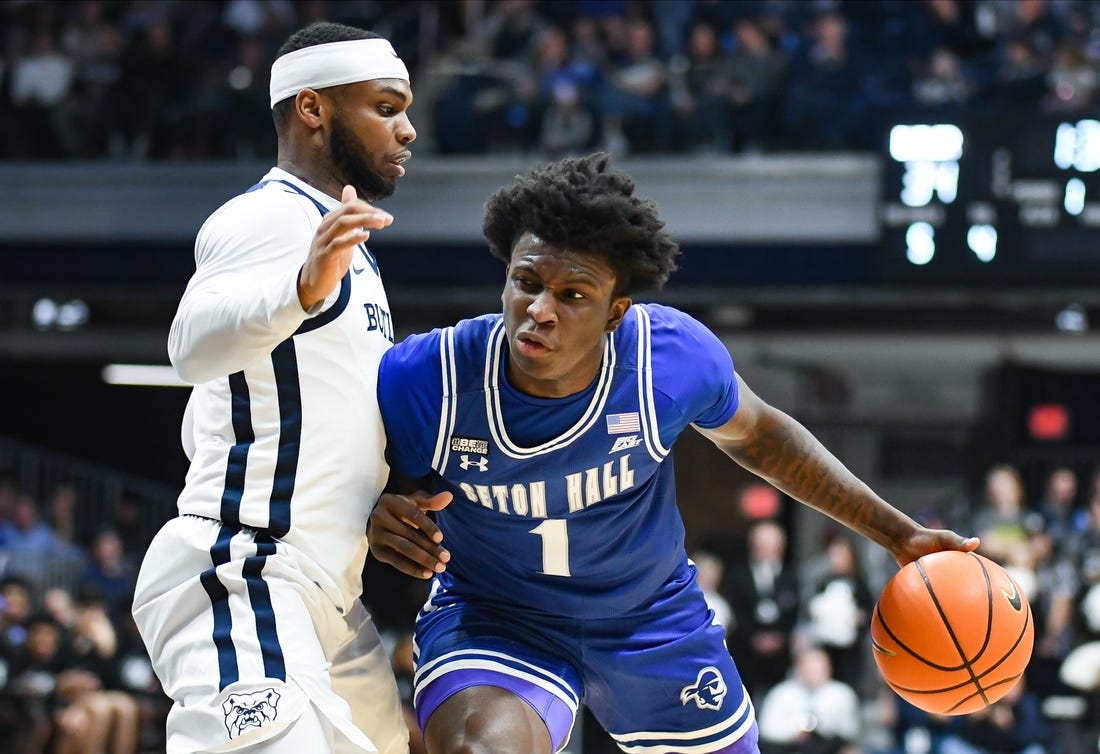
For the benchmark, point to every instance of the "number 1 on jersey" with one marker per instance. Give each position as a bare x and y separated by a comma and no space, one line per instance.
555,547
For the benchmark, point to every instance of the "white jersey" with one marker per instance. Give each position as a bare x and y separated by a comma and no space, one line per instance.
283,427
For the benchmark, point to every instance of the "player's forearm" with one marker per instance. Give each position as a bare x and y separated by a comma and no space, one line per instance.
788,456
219,332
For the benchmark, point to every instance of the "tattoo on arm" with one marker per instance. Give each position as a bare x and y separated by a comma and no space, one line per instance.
786,454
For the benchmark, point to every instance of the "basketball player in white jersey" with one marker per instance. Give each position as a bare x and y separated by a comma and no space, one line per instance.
248,601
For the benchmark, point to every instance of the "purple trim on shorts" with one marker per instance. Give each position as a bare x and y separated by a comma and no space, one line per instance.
747,744
554,712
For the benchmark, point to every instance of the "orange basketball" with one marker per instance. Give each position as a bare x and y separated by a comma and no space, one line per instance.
952,632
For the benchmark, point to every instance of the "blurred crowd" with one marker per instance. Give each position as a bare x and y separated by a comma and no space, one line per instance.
75,677
800,629
179,80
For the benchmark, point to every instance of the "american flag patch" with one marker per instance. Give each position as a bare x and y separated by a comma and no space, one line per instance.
617,424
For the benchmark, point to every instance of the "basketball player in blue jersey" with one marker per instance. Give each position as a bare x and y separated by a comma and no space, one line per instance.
564,580
248,602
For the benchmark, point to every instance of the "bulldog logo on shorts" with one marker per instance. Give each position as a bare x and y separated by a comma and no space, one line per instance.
244,711
708,691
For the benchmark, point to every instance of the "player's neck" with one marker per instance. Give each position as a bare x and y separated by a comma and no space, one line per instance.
318,179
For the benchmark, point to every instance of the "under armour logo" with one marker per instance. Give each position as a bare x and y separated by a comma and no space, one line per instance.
481,463
708,691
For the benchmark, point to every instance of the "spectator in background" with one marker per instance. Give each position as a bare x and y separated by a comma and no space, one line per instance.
942,86
637,115
568,125
1063,519
1018,80
110,572
911,730
568,128
811,712
61,509
763,593
825,108
1072,82
94,44
708,572
1087,566
16,604
839,610
57,686
159,84
34,549
698,86
1012,725
1001,519
1050,585
28,689
41,79
755,77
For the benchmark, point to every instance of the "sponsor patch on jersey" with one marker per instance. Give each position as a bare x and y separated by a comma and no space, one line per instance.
620,424
469,445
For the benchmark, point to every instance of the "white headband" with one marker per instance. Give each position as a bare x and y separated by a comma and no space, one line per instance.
332,64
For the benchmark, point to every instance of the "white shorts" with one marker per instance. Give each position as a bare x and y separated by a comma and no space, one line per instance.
242,641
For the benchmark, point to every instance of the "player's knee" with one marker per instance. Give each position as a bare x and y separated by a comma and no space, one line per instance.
488,733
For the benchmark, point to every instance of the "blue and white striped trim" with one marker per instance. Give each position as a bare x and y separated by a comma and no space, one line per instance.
493,357
651,429
259,601
495,662
450,401
710,739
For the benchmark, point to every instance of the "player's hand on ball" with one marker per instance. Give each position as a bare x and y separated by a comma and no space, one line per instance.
925,541
403,535
334,242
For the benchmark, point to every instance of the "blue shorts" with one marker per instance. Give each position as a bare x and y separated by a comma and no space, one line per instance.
658,679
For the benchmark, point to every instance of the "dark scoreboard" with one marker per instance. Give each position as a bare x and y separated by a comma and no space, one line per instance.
992,201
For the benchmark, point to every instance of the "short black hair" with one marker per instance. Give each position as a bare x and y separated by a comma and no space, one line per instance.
317,33
584,203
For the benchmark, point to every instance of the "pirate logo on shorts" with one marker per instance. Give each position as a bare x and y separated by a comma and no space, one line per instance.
708,691
244,711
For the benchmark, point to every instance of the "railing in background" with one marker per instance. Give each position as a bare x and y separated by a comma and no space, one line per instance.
78,499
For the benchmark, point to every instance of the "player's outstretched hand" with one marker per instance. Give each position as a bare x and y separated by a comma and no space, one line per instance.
334,244
402,534
924,541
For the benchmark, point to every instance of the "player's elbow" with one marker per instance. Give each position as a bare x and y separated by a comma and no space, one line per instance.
185,357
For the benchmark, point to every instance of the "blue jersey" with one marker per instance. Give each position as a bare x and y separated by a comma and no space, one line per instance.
562,505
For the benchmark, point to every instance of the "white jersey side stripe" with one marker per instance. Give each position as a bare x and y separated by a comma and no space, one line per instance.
449,402
650,426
